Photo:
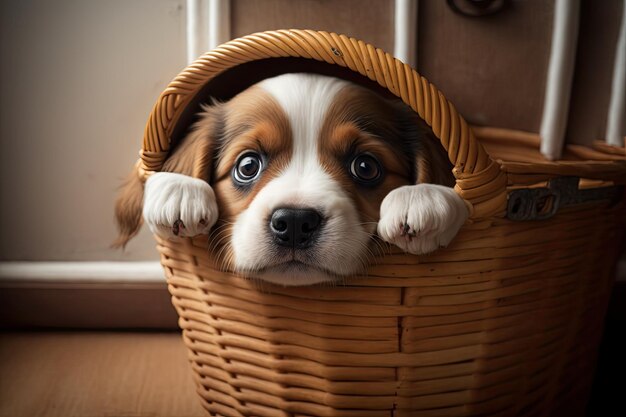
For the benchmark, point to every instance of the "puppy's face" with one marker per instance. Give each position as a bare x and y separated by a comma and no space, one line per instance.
299,179
302,163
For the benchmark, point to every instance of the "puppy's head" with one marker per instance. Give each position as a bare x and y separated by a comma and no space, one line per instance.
300,164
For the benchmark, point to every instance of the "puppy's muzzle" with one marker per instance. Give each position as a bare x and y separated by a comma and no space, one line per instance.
295,228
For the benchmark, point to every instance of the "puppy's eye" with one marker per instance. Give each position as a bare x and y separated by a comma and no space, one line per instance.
365,168
247,168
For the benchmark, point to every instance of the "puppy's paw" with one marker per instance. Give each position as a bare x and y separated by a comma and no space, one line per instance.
178,205
421,218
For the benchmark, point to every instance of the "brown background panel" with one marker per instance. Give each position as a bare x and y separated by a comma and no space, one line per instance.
591,89
492,68
368,20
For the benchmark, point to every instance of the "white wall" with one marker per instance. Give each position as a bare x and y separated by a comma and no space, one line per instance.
78,80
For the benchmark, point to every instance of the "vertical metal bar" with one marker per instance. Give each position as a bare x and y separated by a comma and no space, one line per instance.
219,23
208,26
405,31
559,79
616,120
194,24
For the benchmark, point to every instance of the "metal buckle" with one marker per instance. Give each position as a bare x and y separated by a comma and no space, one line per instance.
543,203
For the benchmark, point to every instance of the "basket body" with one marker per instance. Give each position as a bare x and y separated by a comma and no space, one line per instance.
506,321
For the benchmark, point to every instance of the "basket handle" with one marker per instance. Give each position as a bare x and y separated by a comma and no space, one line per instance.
480,181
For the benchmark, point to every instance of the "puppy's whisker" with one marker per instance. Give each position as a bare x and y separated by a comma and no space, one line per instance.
219,238
223,256
366,223
217,247
228,264
225,260
362,257
375,241
217,231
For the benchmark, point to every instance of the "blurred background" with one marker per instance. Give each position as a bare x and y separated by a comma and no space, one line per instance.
78,79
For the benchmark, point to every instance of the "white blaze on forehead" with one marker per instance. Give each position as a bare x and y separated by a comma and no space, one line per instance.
305,99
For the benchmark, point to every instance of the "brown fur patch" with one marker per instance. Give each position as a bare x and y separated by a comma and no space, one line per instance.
253,121
359,121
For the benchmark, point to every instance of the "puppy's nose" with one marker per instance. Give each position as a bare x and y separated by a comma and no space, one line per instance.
295,228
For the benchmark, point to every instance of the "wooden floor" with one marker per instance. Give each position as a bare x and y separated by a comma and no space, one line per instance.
85,374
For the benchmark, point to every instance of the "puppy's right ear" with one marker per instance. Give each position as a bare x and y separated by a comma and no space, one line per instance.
193,156
128,207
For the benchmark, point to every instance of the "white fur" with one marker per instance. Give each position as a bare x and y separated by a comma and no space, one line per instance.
169,197
343,242
433,213
305,99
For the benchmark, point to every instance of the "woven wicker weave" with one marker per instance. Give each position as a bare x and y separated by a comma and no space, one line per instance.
505,321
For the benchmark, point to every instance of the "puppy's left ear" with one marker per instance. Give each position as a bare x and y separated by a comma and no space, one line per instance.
431,165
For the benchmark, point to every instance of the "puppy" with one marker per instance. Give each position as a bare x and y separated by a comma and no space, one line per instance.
302,174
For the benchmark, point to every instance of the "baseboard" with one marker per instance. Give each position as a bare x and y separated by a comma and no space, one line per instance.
85,295
82,272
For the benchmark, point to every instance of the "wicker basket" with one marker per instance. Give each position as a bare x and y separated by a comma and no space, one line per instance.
505,321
